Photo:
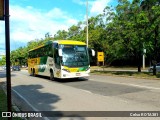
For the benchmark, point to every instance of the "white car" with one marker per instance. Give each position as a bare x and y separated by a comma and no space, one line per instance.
157,68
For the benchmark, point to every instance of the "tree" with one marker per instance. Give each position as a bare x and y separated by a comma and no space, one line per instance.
152,7
61,35
3,60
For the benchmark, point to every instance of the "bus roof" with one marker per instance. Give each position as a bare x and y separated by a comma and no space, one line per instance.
70,42
63,42
44,44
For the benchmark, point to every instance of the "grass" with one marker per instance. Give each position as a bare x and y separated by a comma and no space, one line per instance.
3,100
3,105
129,74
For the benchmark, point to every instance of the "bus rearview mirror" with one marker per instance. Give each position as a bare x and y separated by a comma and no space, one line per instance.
60,52
93,52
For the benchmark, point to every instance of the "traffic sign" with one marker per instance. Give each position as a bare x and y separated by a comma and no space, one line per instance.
100,56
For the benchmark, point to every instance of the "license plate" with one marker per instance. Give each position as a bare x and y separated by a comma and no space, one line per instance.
78,74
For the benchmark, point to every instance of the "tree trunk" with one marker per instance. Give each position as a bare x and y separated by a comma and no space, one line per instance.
139,63
139,68
154,69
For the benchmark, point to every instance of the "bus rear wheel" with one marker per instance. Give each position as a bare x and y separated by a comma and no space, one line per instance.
33,73
51,75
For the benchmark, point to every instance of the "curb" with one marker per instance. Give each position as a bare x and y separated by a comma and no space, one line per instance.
124,76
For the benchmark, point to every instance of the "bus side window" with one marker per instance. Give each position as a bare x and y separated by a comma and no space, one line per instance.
50,51
29,54
36,53
46,50
32,54
42,52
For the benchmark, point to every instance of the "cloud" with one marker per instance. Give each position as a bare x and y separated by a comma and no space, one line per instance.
29,23
97,6
2,52
57,13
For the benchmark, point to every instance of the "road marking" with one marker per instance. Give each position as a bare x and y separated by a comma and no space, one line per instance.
134,85
87,91
45,118
141,86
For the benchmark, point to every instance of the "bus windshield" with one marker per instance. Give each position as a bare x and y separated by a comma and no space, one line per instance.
74,55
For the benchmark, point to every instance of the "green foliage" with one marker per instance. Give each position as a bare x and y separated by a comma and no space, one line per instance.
3,61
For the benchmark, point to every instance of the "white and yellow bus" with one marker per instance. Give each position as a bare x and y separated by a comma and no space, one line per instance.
59,59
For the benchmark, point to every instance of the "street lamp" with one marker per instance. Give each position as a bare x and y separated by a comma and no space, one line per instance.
87,22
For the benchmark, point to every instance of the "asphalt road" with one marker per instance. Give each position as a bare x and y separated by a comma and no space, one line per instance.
96,93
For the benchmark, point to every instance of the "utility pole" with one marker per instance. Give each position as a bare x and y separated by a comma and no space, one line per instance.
144,52
87,22
143,58
8,70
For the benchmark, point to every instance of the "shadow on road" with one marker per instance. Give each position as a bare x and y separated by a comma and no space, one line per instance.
33,98
66,80
71,80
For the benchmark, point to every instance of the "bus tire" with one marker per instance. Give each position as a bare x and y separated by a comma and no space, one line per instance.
51,75
33,73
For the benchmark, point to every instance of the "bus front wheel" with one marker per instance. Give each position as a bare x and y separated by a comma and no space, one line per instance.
51,75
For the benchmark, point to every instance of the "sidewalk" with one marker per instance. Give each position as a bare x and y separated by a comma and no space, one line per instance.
128,69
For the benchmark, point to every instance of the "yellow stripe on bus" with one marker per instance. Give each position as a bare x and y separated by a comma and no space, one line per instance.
37,47
71,42
64,42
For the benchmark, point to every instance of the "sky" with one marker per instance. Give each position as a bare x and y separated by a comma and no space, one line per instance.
32,19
